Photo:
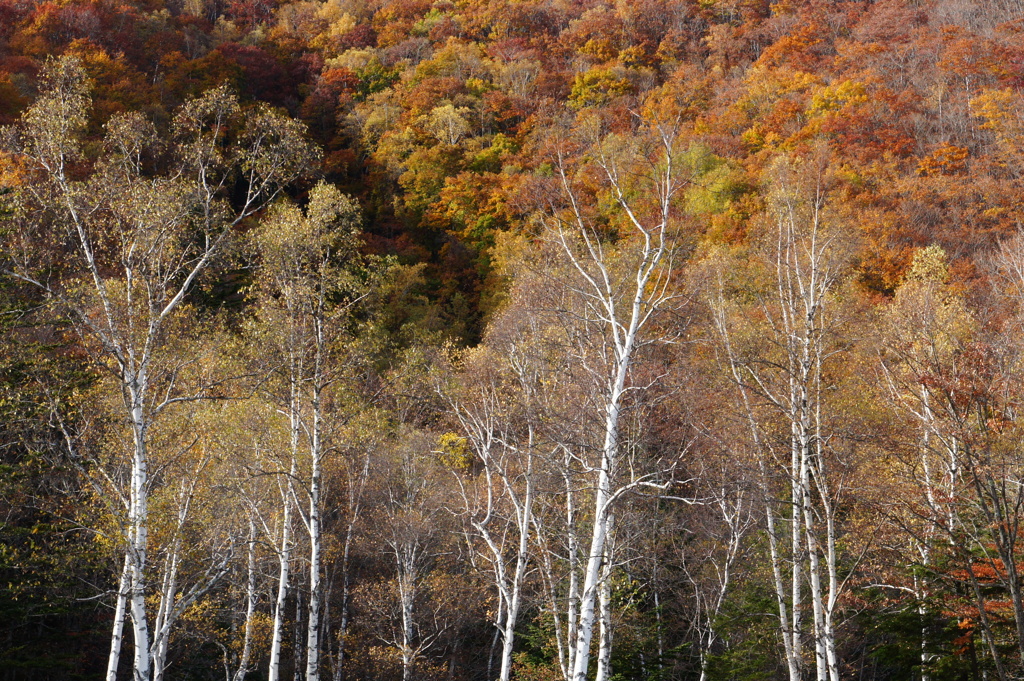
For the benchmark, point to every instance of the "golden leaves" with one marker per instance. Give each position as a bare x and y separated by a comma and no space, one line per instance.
948,159
453,452
12,171
60,113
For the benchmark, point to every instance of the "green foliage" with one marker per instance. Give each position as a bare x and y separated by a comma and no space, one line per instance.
749,645
375,77
491,158
716,185
893,632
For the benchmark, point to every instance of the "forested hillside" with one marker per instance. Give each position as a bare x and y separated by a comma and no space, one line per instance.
546,340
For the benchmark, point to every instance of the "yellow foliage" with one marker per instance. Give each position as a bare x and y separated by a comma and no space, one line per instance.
600,48
333,11
596,87
632,56
997,107
836,97
929,265
775,82
454,452
354,60
1001,110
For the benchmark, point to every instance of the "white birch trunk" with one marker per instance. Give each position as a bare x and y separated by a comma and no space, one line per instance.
524,520
298,667
165,616
554,603
605,632
284,556
621,317
406,593
573,597
250,606
603,493
313,626
355,508
117,635
591,582
139,527
786,601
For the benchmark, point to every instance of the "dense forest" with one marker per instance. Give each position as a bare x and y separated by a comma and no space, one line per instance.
546,340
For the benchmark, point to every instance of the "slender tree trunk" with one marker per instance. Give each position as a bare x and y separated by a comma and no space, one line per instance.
161,633
117,635
549,578
139,527
499,632
316,454
602,502
250,605
788,626
831,652
986,625
313,627
573,597
284,566
797,560
591,577
920,583
406,596
354,510
339,659
524,520
604,654
297,647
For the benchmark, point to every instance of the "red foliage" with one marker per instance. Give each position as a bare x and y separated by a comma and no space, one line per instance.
262,76
333,92
250,13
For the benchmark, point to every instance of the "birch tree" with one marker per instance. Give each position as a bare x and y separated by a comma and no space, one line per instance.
137,242
614,292
922,330
784,367
405,612
496,412
306,284
955,380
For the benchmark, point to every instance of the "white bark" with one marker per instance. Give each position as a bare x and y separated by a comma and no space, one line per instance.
315,540
605,631
808,267
618,307
300,274
567,606
407,587
284,554
507,513
297,646
250,605
139,526
159,235
355,494
787,601
117,634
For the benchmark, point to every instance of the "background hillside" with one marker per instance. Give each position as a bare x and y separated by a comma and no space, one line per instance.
533,339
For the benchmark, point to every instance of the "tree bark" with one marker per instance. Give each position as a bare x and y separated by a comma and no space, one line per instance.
117,635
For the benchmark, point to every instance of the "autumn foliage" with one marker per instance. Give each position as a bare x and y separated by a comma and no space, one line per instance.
831,386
